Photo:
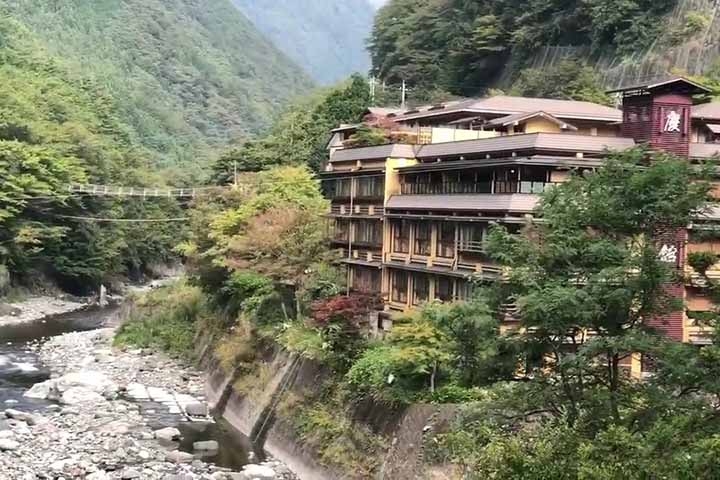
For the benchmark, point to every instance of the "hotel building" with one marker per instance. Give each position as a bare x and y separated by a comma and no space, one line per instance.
411,217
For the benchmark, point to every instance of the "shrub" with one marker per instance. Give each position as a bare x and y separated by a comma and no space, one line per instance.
702,261
165,319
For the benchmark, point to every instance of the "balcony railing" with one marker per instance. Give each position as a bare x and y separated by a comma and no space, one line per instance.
363,210
472,246
452,188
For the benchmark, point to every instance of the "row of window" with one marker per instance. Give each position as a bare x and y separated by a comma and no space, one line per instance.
418,286
468,237
367,232
365,187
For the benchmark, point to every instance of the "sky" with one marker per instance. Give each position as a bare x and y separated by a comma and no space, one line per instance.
378,3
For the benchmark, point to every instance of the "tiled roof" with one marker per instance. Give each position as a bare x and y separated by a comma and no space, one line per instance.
557,142
394,150
522,203
713,127
558,161
507,105
704,150
521,117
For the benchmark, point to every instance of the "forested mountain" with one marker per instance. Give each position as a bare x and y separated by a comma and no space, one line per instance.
56,129
467,46
326,37
187,76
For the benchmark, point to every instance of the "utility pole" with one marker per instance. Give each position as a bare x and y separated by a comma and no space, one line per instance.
404,95
235,179
373,82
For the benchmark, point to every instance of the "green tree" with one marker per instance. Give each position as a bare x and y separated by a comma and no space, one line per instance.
593,265
568,80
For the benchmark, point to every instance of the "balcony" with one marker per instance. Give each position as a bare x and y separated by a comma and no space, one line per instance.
358,210
451,188
472,246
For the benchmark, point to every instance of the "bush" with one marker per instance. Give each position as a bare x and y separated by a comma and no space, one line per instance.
339,442
164,319
702,261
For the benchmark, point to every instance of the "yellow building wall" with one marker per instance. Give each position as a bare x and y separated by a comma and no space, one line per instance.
443,134
540,124
559,175
697,303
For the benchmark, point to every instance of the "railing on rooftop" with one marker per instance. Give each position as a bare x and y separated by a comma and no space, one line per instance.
453,188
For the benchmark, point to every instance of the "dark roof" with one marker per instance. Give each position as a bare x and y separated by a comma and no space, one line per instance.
569,162
522,117
713,127
664,83
394,150
502,105
522,203
710,111
556,142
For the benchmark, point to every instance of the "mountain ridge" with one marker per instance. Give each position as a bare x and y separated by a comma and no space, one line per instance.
189,77
325,37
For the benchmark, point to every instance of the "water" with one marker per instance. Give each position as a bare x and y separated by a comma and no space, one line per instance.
20,368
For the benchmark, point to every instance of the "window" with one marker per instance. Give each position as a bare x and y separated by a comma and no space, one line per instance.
506,180
340,230
444,289
446,240
422,239
366,280
472,237
368,232
464,290
371,187
343,187
533,179
399,286
421,289
401,237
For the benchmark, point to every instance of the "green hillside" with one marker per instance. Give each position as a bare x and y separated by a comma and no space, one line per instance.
466,46
326,37
187,76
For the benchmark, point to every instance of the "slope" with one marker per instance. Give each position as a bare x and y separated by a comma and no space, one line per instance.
188,76
465,47
326,37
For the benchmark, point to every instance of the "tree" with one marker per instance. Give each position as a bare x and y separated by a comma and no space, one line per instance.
593,266
568,80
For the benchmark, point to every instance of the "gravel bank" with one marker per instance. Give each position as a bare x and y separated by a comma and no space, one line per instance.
37,308
96,431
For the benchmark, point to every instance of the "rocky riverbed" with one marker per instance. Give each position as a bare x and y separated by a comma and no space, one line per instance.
39,307
101,421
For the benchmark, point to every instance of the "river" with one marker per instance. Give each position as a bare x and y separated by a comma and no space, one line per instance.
21,367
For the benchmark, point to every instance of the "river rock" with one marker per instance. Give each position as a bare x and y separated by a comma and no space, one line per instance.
209,445
81,396
262,472
168,434
196,409
130,474
7,444
40,390
176,456
26,417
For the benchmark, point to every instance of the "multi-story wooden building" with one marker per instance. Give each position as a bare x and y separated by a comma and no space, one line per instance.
411,218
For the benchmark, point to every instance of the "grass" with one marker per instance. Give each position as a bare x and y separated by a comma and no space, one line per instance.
164,319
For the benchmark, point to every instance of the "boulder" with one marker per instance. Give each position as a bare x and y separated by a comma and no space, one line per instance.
99,475
26,417
41,390
6,444
95,381
81,396
168,434
196,409
209,446
130,474
261,472
176,456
